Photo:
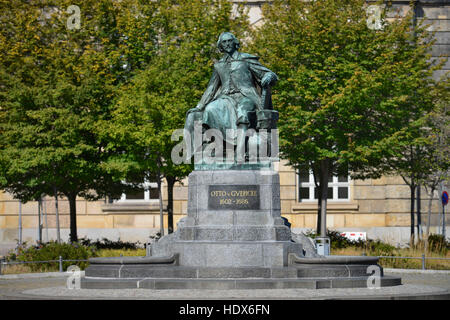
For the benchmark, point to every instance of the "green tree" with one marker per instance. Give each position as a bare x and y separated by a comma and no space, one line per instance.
438,134
58,83
154,103
344,88
421,155
413,155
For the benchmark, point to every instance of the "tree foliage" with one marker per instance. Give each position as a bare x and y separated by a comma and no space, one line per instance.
345,89
83,109
58,84
154,102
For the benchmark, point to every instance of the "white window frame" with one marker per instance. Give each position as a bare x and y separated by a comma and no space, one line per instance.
147,186
335,184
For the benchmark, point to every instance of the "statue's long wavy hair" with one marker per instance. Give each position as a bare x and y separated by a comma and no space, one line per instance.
236,41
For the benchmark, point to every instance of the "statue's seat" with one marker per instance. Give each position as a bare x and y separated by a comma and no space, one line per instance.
263,119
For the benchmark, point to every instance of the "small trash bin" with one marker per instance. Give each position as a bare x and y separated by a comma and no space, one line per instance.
322,245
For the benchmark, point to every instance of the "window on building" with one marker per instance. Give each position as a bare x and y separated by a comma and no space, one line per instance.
148,192
338,187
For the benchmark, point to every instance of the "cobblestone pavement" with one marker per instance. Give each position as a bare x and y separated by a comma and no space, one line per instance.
440,280
11,289
54,288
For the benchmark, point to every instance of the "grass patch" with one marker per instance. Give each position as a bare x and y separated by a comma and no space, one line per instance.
438,248
401,263
82,250
46,267
17,269
124,252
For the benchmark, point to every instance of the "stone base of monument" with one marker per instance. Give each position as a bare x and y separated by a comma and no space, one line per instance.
316,273
233,238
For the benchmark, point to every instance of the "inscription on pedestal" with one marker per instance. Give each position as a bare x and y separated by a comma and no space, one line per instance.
233,197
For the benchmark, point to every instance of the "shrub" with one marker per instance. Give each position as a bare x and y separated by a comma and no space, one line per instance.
374,247
377,248
109,244
52,251
437,243
336,239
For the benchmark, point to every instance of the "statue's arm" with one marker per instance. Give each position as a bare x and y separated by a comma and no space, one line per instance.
211,90
264,76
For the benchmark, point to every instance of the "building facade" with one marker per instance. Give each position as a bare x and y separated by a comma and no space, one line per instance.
378,207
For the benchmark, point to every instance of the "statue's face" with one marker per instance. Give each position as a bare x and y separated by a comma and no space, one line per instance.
227,44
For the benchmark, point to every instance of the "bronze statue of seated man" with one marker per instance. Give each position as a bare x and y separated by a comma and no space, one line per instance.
240,85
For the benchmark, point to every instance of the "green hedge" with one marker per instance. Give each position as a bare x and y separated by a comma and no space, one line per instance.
52,251
82,250
437,244
109,244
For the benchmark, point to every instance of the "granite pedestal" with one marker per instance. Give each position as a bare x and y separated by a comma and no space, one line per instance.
232,237
233,220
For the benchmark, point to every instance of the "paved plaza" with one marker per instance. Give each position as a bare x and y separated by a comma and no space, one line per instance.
52,286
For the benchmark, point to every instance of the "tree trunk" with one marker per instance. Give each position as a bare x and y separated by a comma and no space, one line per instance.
430,202
58,232
170,183
319,210
419,215
161,216
20,223
324,169
73,217
39,221
44,210
412,188
318,183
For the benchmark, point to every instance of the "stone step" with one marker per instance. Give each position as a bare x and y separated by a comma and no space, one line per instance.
227,284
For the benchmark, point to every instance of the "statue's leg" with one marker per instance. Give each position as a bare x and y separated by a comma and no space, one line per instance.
220,115
245,105
190,128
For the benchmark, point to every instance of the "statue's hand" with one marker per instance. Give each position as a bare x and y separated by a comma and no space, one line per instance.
196,109
269,79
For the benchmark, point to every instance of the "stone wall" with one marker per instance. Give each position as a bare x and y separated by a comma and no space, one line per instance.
379,207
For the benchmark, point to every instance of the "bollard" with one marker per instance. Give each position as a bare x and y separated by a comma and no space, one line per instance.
423,261
60,264
3,262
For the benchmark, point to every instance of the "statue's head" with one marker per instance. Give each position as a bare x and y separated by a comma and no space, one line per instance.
227,42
